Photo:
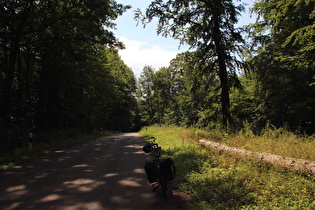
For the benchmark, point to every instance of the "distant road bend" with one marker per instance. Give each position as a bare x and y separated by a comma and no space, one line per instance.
103,173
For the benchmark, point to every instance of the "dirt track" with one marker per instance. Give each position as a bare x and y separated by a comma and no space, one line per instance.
104,173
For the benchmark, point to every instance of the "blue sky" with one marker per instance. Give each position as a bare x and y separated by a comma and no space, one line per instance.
143,46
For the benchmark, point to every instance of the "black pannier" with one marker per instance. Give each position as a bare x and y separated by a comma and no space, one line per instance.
149,168
167,168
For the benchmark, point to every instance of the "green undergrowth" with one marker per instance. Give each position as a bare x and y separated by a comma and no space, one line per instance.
277,141
216,180
44,143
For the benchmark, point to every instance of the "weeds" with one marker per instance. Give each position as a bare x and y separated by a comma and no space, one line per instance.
217,180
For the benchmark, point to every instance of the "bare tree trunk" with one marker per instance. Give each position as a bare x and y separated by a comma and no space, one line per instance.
225,96
16,34
8,80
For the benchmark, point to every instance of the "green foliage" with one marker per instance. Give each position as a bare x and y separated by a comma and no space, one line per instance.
284,65
145,94
215,180
59,69
278,86
244,103
179,95
208,27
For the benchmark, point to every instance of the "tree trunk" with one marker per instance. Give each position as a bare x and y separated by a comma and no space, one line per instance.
225,96
16,36
8,80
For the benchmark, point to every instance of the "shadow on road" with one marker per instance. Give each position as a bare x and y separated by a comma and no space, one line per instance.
104,173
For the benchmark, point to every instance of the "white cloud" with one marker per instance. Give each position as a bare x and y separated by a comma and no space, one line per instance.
139,53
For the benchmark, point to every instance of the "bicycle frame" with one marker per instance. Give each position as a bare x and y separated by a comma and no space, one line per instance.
157,174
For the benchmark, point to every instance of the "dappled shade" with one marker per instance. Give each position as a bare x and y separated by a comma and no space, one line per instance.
105,173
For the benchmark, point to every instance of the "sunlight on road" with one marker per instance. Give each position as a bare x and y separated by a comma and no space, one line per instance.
110,175
105,173
16,188
138,171
49,198
133,182
83,185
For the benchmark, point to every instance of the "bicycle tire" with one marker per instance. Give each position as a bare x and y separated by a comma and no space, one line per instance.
162,180
173,170
163,184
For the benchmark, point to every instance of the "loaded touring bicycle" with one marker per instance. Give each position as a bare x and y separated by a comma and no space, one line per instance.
159,170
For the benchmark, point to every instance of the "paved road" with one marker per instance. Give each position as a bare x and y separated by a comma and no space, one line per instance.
104,173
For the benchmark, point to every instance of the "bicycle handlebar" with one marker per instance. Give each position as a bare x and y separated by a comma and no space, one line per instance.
153,146
153,143
152,137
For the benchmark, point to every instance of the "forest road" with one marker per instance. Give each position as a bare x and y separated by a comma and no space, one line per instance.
103,173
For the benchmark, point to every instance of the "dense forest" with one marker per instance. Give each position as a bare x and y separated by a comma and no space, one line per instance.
60,68
260,75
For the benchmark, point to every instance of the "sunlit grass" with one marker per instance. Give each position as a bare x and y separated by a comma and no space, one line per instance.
217,180
272,140
275,141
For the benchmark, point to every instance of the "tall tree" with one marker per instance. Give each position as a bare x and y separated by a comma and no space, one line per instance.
30,28
145,92
284,63
208,26
180,94
55,64
14,16
122,111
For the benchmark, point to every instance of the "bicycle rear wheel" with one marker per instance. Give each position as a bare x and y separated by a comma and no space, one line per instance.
163,184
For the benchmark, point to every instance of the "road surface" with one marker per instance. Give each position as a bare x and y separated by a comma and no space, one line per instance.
103,173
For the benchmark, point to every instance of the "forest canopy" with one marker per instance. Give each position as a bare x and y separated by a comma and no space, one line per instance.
60,68
262,74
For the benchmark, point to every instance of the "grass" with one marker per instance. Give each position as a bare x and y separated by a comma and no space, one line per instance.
275,141
44,143
217,180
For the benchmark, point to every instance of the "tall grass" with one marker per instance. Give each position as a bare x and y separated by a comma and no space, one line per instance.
278,141
217,180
